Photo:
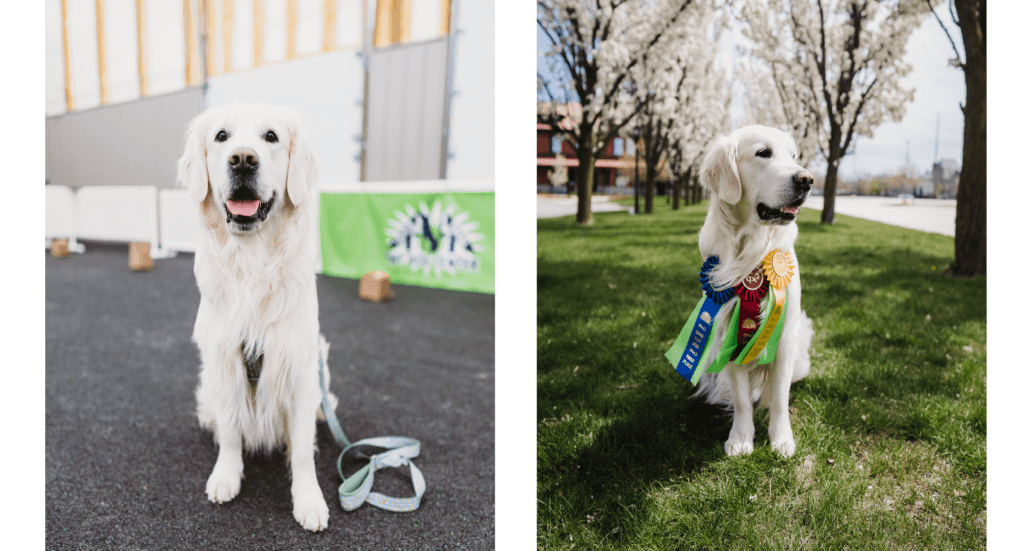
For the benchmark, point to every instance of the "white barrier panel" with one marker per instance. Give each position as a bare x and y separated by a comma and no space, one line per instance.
179,221
60,217
60,212
117,213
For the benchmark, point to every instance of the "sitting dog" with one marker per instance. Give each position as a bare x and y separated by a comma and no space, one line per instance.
756,188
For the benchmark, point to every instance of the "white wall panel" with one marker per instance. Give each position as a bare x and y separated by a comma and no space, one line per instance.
471,131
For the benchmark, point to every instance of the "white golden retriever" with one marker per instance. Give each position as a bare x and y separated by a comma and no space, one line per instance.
250,170
756,190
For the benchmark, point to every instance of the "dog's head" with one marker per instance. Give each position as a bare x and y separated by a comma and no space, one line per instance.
248,159
754,170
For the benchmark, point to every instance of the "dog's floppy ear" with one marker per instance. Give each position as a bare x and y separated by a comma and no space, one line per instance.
302,166
192,172
719,173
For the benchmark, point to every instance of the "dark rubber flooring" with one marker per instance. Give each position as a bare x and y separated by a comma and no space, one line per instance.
126,461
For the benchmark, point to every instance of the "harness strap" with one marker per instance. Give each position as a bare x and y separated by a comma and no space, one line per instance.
354,491
253,366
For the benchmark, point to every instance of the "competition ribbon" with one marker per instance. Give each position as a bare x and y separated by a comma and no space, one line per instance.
751,290
778,269
702,320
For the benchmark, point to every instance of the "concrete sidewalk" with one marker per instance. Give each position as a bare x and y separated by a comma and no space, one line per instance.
566,205
927,215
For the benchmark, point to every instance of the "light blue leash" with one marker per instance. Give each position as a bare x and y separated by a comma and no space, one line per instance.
400,450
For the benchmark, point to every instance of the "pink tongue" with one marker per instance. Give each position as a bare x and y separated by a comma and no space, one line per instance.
243,208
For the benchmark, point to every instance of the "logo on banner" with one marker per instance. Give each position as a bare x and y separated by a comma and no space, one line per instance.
433,240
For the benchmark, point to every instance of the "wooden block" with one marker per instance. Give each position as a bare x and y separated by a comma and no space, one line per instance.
59,248
375,286
138,257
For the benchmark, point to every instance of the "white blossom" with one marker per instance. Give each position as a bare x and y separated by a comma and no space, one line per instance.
829,70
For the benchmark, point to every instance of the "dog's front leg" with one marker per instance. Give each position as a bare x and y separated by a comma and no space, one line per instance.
310,509
741,437
226,479
779,430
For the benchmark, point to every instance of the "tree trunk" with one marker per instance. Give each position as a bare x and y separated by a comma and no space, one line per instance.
585,178
970,255
677,188
652,172
828,212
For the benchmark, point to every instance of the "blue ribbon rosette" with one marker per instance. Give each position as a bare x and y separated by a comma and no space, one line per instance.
686,358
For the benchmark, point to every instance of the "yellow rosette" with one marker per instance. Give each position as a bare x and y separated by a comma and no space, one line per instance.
778,268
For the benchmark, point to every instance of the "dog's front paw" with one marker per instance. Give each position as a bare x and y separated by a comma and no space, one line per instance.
782,439
223,484
310,509
739,446
786,448
741,437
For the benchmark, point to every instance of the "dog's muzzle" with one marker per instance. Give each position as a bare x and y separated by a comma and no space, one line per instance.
244,208
801,186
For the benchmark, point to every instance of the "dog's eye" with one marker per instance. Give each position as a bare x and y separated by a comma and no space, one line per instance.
765,153
270,136
221,136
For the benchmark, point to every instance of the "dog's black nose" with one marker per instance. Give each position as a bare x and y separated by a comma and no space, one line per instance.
243,158
803,180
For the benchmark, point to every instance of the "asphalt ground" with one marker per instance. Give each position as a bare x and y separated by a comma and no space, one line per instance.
126,460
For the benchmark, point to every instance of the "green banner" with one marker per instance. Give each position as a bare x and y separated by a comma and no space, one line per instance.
443,240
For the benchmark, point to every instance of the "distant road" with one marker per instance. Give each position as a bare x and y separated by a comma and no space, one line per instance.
554,206
927,215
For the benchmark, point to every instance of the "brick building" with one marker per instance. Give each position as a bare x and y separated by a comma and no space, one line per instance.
611,169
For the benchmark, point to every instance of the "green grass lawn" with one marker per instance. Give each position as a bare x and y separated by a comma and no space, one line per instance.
890,424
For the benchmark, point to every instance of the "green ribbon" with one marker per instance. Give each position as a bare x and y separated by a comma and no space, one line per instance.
709,364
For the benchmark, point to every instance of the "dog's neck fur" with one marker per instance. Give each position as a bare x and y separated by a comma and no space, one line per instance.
737,236
243,268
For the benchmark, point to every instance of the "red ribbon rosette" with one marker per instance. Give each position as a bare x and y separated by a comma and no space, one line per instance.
753,287
751,290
